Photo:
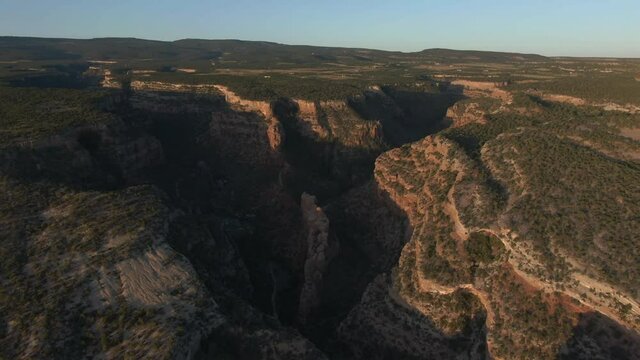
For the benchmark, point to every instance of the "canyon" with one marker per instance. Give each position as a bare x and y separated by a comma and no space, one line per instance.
439,219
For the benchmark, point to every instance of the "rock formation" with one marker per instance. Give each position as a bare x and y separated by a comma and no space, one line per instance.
274,131
463,268
321,248
248,134
462,114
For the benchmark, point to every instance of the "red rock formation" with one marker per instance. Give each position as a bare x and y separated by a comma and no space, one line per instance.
245,138
249,134
462,114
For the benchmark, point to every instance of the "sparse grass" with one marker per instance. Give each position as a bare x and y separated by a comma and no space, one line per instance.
618,88
52,242
572,197
483,248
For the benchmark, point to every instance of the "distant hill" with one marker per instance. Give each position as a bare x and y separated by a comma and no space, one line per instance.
29,48
474,55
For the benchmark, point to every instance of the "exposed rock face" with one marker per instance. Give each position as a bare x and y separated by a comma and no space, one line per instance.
526,240
127,155
241,104
245,137
309,124
348,126
321,248
329,139
462,270
355,141
274,131
383,326
406,115
484,89
417,178
108,81
332,121
373,223
143,297
447,203
210,247
462,114
249,134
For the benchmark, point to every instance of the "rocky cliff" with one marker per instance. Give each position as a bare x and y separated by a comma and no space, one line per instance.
321,248
462,114
124,290
461,269
273,127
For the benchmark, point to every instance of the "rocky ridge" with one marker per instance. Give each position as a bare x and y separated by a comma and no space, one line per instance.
461,258
320,251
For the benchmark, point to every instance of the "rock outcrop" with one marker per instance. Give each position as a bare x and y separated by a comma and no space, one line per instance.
330,140
245,137
418,178
383,326
321,248
309,124
463,270
477,89
273,131
248,134
462,114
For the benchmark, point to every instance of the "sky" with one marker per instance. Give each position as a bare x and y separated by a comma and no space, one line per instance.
547,27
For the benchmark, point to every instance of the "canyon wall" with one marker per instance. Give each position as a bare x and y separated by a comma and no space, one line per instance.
321,248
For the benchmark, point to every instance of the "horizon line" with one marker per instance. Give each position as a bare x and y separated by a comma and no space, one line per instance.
324,46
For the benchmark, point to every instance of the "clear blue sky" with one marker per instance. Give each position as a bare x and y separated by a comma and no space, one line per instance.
549,27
